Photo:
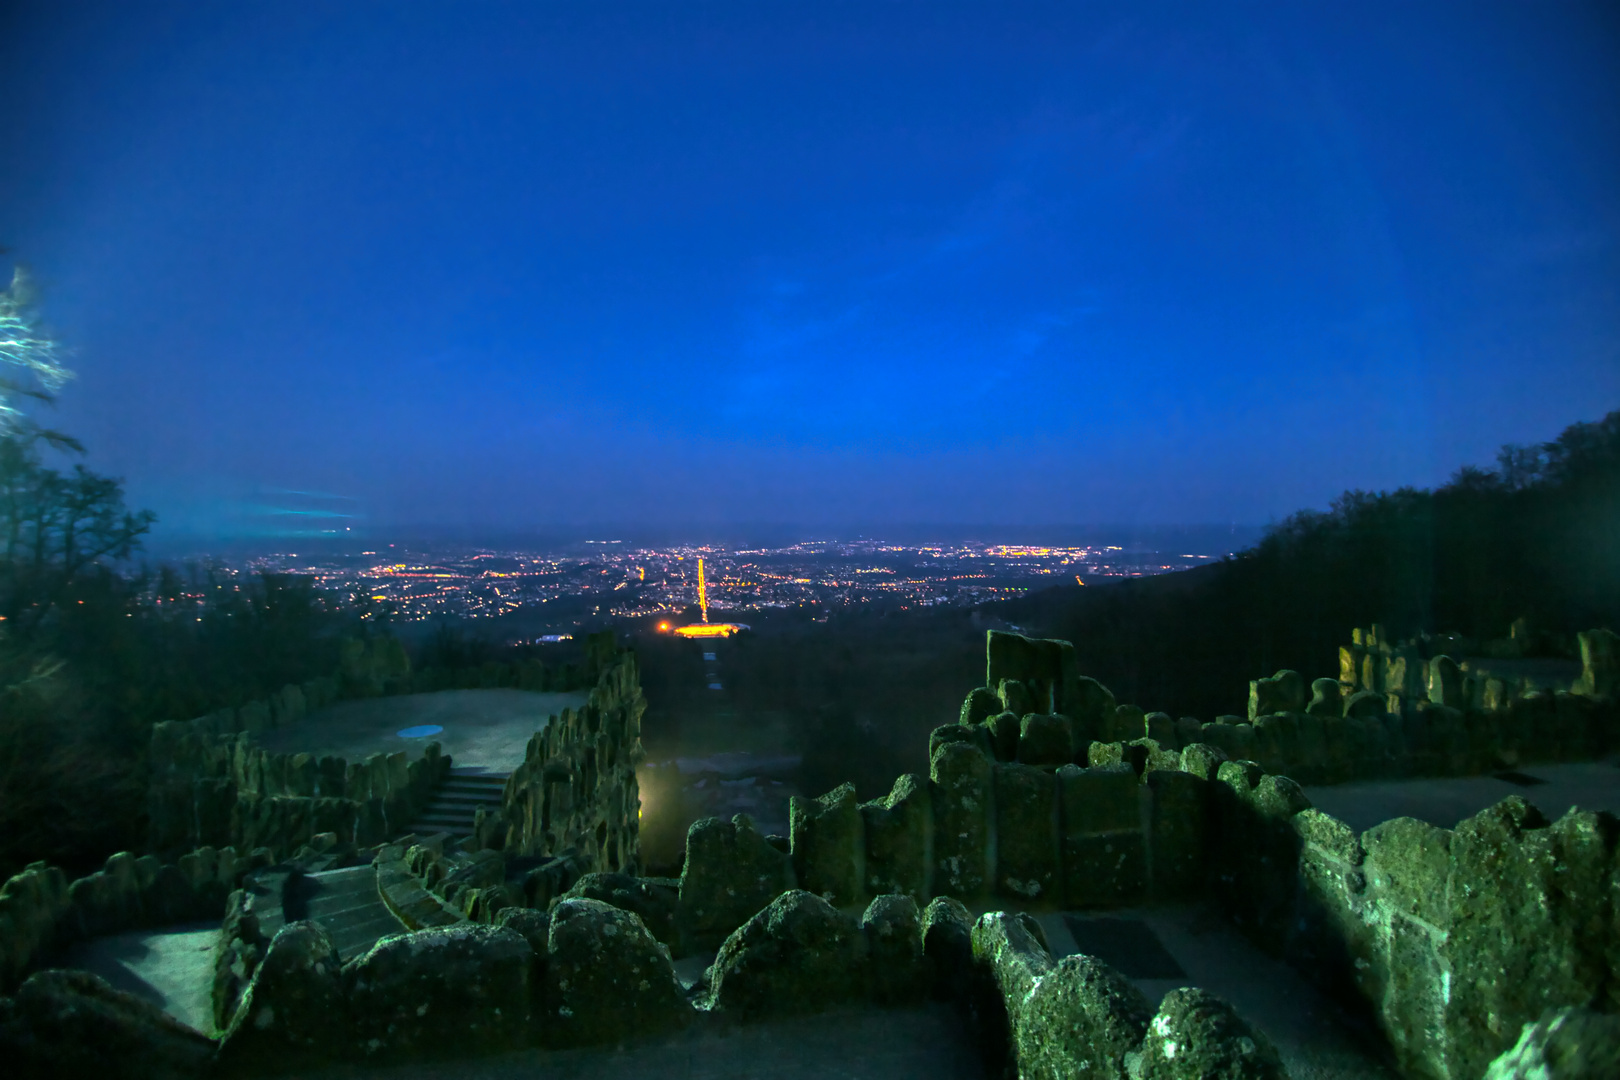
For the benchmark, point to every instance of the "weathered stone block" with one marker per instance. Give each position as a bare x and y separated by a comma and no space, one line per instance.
829,844
1411,1008
1364,703
1445,683
892,926
1600,664
1240,776
71,1024
1001,736
1277,741
607,979
1196,1035
1279,797
980,704
947,937
1104,798
1350,666
1105,869
1079,1023
731,872
796,956
962,791
1202,760
1127,722
655,901
1526,923
1045,739
1017,699
1026,831
1092,704
977,735
1100,754
461,989
1565,1044
899,839
1146,755
1177,831
1283,692
1372,673
1326,699
1012,950
1161,727
294,1011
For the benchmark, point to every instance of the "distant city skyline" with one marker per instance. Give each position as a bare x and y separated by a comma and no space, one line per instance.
517,266
587,583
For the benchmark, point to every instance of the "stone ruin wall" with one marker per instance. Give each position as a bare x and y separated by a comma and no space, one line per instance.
213,795
1450,941
576,792
41,910
211,785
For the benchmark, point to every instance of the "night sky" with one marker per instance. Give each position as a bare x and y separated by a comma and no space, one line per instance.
541,266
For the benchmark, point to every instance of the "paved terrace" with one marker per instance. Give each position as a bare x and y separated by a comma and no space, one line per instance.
1445,801
482,730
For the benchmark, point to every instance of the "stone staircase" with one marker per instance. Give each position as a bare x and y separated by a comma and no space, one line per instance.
346,903
456,802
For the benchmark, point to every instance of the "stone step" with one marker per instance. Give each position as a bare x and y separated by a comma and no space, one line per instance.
454,804
346,903
463,800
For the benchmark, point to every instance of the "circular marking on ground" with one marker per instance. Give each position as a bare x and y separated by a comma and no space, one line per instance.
420,731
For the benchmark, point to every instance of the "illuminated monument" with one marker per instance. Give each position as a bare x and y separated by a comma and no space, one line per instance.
707,628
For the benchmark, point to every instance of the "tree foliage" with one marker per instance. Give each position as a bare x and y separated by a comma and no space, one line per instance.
31,366
1537,536
55,528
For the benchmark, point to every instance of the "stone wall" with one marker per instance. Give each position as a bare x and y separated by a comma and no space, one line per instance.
40,910
211,785
1394,710
1451,941
576,793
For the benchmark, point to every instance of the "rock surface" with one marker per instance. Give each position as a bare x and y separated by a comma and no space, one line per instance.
460,990
899,833
653,900
799,955
1197,1036
731,873
606,978
892,926
962,792
1079,1022
1565,1044
294,1010
829,844
947,937
71,1024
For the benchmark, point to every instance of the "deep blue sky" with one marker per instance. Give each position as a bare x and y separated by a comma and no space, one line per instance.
471,264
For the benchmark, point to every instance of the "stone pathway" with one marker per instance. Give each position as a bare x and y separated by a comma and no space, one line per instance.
487,730
173,968
1444,801
346,903
927,1043
1316,1039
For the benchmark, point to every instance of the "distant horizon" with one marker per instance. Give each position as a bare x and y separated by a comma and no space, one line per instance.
1207,536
